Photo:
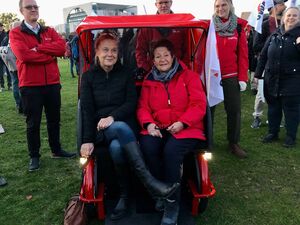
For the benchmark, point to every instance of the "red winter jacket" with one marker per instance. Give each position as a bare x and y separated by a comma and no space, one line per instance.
187,103
147,36
233,54
36,68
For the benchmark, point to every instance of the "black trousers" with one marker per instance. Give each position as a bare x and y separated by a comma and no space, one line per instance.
34,99
232,104
290,105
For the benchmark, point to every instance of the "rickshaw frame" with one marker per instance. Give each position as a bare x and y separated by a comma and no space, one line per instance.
202,188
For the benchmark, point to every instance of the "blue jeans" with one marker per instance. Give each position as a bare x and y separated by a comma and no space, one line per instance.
117,135
15,87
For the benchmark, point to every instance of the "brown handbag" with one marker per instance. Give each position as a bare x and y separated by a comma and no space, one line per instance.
75,213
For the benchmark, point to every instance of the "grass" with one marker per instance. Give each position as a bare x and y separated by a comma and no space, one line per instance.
262,190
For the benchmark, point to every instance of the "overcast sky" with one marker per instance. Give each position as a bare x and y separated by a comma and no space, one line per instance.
52,11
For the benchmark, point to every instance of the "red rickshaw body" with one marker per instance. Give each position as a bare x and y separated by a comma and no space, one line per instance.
200,189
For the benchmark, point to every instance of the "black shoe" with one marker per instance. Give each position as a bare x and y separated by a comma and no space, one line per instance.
62,154
34,164
2,182
256,123
159,205
289,142
270,138
121,209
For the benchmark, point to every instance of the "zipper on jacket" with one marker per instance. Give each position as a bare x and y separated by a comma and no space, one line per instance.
45,75
166,87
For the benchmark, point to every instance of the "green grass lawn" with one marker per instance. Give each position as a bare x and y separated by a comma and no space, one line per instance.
262,189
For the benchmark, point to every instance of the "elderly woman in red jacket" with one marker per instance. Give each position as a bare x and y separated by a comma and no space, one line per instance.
170,111
233,56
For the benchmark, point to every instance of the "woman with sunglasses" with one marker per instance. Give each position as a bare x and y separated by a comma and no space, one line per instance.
108,101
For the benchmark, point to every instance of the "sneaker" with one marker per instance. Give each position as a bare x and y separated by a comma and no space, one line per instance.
2,182
237,150
289,142
256,123
62,154
270,138
34,164
1,89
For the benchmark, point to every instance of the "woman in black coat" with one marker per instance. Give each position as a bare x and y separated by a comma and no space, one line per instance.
280,58
108,102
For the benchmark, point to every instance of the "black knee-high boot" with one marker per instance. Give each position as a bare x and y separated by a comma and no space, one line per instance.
123,180
155,187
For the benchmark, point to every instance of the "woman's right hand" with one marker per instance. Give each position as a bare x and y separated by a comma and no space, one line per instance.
153,130
86,149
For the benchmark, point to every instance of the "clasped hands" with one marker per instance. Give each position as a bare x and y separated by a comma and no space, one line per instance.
174,128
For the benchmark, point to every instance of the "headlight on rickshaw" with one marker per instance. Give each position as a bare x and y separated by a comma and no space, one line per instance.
83,161
207,156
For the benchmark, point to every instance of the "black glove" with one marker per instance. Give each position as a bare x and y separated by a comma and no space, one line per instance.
140,74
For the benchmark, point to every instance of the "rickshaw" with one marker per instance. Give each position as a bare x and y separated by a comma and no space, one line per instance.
196,173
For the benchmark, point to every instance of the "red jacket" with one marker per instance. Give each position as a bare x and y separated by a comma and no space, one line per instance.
187,103
146,37
233,54
37,68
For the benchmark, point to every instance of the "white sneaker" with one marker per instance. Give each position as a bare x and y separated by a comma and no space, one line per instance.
1,129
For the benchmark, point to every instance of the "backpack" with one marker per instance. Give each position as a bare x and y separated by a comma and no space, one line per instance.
8,57
74,48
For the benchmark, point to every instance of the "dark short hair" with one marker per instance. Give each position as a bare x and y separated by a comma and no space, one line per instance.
162,43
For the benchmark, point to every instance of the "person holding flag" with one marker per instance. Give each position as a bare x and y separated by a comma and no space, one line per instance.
233,55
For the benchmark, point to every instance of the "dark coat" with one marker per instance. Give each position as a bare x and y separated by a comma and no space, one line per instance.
280,58
105,94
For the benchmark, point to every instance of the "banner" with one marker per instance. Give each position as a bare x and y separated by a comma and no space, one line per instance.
212,69
293,3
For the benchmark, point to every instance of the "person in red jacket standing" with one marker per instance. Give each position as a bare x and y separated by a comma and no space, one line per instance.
36,48
233,56
171,109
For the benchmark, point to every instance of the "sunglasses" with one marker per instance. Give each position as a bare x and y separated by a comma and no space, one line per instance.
31,7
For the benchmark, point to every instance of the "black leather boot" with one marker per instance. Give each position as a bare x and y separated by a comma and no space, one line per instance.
171,212
121,208
155,187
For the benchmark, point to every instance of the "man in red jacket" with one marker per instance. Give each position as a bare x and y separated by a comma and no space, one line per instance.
36,48
147,36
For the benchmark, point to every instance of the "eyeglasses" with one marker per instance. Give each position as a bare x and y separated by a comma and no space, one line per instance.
31,7
165,2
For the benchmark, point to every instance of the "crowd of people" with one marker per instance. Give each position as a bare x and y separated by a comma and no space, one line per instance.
172,103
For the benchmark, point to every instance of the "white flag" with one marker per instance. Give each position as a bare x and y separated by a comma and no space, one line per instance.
260,17
293,3
269,4
212,69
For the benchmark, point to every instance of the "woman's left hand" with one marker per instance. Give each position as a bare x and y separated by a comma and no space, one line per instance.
298,40
105,122
175,127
